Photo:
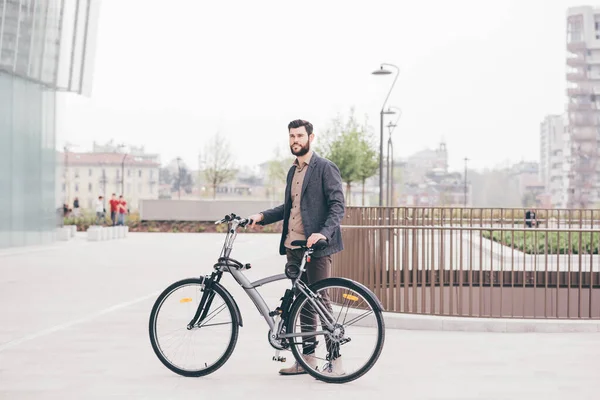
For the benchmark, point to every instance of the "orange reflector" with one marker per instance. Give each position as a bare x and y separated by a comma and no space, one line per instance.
350,297
185,300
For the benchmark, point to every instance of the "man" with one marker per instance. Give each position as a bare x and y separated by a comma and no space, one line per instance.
122,210
114,208
313,210
100,210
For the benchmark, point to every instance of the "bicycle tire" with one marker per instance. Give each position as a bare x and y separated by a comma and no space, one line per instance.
234,331
371,300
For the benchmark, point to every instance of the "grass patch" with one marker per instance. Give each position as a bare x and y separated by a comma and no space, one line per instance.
533,242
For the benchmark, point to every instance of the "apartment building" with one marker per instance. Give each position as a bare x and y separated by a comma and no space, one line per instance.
583,108
89,175
552,169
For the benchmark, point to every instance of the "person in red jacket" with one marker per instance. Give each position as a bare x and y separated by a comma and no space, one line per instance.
122,210
114,208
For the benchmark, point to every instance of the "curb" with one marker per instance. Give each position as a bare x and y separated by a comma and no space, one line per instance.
499,325
475,324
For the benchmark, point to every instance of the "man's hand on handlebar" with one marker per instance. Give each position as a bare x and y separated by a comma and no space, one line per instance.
255,218
314,238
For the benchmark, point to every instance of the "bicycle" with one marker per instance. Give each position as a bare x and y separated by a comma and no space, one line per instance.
341,304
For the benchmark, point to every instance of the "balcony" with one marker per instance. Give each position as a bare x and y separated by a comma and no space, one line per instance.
584,134
583,107
577,76
584,90
576,61
581,120
576,45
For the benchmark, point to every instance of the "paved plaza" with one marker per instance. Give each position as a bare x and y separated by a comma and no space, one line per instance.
74,325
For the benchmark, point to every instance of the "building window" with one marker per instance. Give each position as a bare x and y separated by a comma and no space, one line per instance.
90,187
90,172
76,172
64,187
77,187
140,173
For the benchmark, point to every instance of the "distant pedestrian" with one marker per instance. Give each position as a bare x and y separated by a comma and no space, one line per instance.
100,210
122,210
114,209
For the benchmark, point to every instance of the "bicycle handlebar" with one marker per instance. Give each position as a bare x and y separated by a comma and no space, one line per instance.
231,217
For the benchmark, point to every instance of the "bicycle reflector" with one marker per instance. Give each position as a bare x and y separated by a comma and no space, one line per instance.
292,270
185,300
350,297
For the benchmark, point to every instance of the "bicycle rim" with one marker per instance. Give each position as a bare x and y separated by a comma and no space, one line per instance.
202,349
352,348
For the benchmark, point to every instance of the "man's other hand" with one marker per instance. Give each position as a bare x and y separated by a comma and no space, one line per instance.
314,238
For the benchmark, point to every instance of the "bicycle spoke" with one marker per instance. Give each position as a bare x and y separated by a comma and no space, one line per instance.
354,320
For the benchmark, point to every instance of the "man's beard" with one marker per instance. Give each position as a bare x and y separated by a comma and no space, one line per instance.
303,149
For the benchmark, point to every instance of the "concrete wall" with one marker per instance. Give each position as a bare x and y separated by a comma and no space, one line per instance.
200,210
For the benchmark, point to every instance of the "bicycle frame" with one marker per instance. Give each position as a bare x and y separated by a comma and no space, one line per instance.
234,267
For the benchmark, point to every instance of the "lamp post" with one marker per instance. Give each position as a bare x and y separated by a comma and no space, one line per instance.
390,158
382,71
179,179
123,171
465,195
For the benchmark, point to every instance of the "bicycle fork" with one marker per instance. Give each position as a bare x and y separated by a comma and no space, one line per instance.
207,297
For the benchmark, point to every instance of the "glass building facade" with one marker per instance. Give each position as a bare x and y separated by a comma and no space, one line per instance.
45,47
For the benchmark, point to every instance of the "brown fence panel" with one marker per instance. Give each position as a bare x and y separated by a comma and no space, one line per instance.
475,262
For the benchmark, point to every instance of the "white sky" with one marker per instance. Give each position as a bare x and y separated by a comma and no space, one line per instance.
481,74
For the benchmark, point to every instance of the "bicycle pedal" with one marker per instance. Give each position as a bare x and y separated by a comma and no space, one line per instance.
277,357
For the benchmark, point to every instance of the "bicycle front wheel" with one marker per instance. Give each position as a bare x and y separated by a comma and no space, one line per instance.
205,347
349,338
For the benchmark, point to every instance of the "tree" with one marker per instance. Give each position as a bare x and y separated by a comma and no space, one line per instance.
369,164
277,169
217,162
187,182
347,144
164,176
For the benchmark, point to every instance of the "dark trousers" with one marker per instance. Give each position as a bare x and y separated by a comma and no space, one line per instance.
316,270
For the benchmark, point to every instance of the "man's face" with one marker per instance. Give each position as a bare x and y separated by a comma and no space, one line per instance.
299,141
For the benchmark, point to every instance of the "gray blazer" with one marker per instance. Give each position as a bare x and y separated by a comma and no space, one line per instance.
322,205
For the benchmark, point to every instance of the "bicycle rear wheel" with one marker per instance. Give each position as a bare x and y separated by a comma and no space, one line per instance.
203,349
352,347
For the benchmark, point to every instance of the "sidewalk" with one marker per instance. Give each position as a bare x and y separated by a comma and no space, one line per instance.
75,325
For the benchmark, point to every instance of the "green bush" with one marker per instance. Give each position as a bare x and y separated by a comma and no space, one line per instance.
533,242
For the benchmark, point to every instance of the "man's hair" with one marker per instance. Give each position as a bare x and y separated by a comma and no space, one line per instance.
300,122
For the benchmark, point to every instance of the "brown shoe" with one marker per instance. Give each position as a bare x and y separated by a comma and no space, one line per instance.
296,369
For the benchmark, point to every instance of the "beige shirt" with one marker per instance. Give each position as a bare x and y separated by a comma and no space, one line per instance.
295,226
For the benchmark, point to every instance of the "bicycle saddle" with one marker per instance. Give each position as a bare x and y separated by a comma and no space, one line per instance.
320,245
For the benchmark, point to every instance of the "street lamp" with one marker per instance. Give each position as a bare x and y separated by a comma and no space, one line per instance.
465,196
382,71
390,158
123,171
179,179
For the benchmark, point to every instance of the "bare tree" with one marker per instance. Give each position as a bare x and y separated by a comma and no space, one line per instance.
277,171
217,162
